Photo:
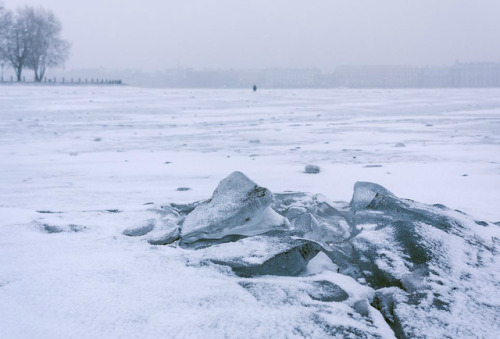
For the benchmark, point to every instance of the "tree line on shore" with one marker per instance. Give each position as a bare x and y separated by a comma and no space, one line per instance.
30,38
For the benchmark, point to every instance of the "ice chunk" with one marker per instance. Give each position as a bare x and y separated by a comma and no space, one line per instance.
364,192
238,207
165,232
362,307
52,229
183,189
386,301
312,169
166,238
263,255
140,230
58,227
429,259
182,209
313,217
324,290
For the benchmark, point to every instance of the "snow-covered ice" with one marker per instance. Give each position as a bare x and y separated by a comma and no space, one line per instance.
80,165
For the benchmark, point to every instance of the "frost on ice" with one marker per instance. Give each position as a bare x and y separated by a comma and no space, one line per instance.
390,262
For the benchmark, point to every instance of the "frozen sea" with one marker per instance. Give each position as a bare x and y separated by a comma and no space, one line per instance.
86,151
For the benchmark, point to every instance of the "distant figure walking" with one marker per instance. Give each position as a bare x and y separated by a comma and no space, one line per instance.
255,88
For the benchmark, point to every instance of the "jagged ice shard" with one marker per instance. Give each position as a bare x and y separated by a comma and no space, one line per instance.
237,207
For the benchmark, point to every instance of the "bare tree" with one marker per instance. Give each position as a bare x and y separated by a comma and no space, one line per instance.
3,36
3,26
47,49
31,38
15,43
3,30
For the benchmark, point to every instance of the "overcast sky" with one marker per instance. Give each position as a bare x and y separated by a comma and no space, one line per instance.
159,34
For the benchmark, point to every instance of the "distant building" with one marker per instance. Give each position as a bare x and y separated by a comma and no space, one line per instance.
377,76
292,78
433,77
458,75
476,75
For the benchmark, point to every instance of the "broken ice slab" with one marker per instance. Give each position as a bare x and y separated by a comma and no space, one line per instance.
161,228
238,207
165,238
165,232
400,240
203,243
51,228
180,209
313,217
141,229
319,290
324,290
427,258
263,255
364,192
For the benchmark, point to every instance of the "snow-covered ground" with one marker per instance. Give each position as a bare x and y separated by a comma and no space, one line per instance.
87,151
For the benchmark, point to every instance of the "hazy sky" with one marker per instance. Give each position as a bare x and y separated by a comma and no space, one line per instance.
159,34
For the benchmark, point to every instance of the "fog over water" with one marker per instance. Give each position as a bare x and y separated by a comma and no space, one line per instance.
155,34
